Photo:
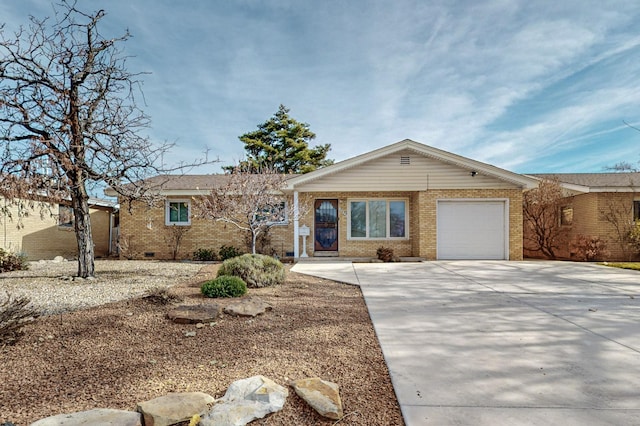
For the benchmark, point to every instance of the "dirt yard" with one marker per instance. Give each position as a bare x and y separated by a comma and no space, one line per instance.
115,355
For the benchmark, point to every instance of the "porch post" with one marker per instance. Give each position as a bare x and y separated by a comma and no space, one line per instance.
296,226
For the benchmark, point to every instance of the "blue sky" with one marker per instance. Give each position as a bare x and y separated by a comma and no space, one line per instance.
530,86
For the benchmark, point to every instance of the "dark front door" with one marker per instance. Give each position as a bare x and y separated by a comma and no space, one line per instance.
326,225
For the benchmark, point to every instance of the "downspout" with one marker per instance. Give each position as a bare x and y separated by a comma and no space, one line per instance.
110,250
296,226
4,222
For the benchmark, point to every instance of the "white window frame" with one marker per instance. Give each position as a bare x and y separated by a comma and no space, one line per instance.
388,221
167,212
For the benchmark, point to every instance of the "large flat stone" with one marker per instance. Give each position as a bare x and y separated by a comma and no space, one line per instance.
97,417
174,408
245,401
323,396
248,307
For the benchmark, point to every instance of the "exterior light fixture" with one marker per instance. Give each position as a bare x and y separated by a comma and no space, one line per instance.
473,173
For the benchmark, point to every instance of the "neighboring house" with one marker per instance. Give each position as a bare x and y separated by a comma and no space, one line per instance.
43,231
418,200
598,205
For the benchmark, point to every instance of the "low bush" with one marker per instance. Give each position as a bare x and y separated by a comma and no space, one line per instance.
588,248
224,286
228,252
257,270
12,261
205,255
386,254
161,296
14,314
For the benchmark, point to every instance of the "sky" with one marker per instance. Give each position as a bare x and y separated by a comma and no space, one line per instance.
530,86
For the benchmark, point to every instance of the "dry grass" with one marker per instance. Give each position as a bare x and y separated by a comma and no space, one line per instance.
116,355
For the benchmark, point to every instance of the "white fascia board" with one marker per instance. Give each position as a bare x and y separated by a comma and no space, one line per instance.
615,189
570,187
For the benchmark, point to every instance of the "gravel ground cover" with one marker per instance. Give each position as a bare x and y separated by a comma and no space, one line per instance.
104,346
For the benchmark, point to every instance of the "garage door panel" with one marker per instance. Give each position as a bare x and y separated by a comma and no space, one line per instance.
471,230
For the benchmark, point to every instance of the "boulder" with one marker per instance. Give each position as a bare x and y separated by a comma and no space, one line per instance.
59,259
248,307
174,408
323,396
246,400
194,314
97,417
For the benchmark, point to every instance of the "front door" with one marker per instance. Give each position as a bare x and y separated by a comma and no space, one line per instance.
326,225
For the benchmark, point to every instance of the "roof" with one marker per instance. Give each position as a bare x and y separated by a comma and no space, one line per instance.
183,185
428,151
597,182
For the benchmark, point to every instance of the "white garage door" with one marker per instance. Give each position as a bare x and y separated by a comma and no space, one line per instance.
472,230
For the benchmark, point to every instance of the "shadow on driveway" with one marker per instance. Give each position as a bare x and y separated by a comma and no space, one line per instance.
488,343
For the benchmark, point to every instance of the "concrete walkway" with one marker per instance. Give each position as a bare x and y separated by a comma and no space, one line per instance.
504,343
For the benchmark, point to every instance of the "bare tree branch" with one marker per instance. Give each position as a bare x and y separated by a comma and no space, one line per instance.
69,118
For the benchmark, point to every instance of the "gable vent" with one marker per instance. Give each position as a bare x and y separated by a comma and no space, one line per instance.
405,160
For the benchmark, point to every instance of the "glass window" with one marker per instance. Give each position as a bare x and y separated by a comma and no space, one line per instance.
566,215
358,219
636,210
65,216
274,214
177,213
377,219
396,219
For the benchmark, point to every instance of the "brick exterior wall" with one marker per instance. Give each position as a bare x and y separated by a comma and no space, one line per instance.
426,208
40,237
144,235
588,221
143,230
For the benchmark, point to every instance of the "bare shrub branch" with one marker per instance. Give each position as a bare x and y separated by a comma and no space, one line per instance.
14,314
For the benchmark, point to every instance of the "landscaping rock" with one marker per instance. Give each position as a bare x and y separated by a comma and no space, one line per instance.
174,408
245,401
97,417
248,307
194,314
323,396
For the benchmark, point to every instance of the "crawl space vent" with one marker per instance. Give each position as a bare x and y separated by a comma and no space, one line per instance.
405,160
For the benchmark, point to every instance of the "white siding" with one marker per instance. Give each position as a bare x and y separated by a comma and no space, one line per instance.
387,174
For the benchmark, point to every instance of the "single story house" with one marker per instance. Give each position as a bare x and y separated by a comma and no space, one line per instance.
45,230
418,200
602,206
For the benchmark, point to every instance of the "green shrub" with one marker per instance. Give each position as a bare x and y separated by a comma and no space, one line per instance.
228,252
224,286
206,255
12,261
257,270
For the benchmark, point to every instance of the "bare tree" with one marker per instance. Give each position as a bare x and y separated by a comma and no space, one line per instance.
541,209
174,236
69,118
617,211
252,202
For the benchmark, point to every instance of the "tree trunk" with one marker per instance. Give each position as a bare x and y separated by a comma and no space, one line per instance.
86,254
254,237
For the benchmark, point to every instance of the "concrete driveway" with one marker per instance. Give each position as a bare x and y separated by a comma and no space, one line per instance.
505,343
